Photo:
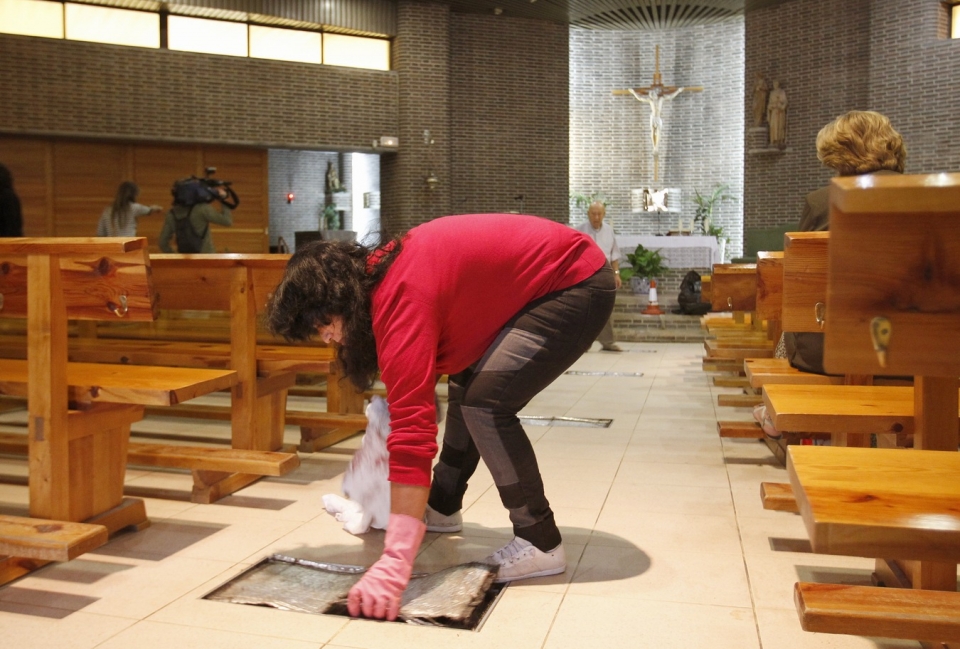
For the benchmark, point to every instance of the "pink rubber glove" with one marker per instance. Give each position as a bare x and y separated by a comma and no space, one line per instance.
378,593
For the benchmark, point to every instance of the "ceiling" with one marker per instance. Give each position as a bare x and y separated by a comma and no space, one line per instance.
615,14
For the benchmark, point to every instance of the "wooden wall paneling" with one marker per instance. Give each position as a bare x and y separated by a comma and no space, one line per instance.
65,185
245,169
156,168
29,160
85,180
265,188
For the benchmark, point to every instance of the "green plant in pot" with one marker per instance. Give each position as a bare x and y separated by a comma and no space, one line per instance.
583,201
706,204
642,266
330,218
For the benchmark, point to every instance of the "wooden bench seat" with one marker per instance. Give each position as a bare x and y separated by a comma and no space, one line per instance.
836,409
143,385
929,615
774,371
718,351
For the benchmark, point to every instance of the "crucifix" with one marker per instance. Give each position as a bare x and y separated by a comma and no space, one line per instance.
654,95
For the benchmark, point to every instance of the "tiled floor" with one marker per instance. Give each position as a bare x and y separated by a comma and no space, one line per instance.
665,537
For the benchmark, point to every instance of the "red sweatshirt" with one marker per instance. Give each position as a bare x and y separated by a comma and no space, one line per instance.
454,285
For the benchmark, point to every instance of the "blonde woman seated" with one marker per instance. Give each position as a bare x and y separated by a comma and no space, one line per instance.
855,144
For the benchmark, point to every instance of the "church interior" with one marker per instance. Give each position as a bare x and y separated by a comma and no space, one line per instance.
680,460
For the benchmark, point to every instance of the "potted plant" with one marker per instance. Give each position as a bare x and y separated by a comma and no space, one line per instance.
703,218
330,218
583,201
642,266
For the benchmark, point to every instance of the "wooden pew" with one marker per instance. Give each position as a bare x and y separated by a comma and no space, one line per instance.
158,386
769,276
734,288
240,285
801,403
78,417
879,502
892,307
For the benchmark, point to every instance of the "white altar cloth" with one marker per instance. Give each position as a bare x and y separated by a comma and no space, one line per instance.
678,252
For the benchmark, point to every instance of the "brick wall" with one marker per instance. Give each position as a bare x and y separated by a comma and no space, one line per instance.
59,87
701,140
492,91
915,80
824,69
886,55
509,115
421,60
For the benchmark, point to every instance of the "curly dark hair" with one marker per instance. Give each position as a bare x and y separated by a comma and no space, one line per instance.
325,279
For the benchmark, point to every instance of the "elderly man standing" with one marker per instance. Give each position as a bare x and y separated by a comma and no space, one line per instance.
603,235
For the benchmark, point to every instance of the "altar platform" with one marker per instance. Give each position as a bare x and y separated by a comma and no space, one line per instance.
679,252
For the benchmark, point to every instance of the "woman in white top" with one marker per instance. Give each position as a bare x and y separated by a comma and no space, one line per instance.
120,219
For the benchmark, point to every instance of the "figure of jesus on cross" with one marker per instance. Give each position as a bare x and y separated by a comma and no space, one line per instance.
654,95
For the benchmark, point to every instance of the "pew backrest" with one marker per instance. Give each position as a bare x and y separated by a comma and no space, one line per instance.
99,280
770,285
804,279
734,287
894,254
203,282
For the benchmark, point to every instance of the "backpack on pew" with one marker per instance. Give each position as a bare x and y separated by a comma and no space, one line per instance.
689,298
188,239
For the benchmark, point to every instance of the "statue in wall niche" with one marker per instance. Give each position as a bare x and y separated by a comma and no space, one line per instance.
760,90
777,116
333,179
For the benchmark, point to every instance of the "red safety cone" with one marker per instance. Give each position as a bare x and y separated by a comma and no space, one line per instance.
652,307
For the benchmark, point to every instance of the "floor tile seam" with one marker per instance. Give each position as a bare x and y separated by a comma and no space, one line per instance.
640,598
117,633
249,516
244,633
669,552
743,553
715,606
70,611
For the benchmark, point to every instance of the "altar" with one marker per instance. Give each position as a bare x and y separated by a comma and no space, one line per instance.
678,252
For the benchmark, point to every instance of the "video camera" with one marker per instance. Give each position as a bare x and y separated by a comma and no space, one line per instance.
193,190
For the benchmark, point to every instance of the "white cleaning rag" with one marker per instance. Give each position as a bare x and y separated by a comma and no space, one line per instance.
365,483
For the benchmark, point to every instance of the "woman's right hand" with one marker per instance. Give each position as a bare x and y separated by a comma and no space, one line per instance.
378,593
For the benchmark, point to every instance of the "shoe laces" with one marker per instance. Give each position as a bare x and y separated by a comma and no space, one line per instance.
512,551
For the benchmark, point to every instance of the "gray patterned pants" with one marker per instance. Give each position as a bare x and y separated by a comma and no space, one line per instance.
544,339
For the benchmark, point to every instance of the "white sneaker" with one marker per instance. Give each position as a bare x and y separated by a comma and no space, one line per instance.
520,559
437,522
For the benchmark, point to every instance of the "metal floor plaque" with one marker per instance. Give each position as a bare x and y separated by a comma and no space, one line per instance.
565,421
460,597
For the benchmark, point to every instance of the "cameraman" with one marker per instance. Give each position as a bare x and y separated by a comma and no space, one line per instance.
201,215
